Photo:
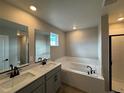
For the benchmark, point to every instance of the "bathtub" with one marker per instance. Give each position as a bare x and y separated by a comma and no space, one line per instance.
74,73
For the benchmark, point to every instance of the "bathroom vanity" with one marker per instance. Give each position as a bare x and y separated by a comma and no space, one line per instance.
39,79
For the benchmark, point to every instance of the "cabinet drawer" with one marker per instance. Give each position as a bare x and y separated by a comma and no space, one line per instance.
29,88
55,70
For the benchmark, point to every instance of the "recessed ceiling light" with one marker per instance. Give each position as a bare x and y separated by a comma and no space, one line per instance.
33,8
74,27
120,19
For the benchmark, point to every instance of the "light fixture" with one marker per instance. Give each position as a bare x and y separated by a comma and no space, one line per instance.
18,34
120,18
74,27
33,8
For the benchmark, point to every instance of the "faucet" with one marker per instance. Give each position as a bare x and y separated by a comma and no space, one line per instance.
14,71
11,67
91,70
39,59
42,60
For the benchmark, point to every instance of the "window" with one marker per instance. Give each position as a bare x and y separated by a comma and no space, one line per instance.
54,39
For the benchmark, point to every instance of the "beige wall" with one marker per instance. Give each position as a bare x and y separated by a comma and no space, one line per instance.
82,43
116,28
11,13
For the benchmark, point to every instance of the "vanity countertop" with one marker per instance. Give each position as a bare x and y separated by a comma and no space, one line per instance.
34,73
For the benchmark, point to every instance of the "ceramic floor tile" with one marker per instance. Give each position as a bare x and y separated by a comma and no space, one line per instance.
68,89
118,86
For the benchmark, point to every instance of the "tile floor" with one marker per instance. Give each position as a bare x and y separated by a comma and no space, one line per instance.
67,89
118,86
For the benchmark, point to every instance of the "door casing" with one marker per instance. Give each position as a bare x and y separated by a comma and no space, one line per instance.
5,54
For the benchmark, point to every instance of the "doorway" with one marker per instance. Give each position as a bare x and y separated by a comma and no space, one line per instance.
4,53
117,60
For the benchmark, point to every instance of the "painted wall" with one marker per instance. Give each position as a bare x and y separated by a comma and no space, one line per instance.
82,43
19,16
116,28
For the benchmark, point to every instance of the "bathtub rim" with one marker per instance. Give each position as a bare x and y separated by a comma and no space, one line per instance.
82,73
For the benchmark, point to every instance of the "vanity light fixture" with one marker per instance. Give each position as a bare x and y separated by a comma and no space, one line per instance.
120,18
33,8
74,27
18,34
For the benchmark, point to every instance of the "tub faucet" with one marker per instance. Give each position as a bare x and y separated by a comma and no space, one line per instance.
91,70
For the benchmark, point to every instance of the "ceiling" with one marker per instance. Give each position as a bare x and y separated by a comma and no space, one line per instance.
115,11
64,14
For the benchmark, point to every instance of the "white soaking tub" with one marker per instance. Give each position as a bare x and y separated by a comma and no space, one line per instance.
74,73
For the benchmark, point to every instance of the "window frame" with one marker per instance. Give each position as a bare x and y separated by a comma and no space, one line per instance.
56,41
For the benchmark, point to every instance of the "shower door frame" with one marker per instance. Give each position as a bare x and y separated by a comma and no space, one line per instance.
110,58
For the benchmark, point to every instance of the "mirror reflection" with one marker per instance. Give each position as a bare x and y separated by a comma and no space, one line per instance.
42,45
13,44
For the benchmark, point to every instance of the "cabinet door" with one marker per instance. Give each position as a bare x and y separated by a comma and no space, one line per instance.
57,81
50,86
40,89
53,83
33,86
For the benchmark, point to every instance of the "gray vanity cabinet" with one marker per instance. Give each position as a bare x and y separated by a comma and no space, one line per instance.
53,81
37,86
49,83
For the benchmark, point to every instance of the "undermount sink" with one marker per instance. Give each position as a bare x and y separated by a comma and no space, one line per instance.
12,82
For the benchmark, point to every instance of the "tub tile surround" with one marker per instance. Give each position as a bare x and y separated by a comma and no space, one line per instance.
36,70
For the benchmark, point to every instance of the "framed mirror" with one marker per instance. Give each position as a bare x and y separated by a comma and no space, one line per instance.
42,45
13,45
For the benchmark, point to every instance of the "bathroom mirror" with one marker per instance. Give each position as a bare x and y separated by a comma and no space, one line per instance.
42,45
13,45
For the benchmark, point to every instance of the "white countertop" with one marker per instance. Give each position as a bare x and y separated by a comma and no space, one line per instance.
38,71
